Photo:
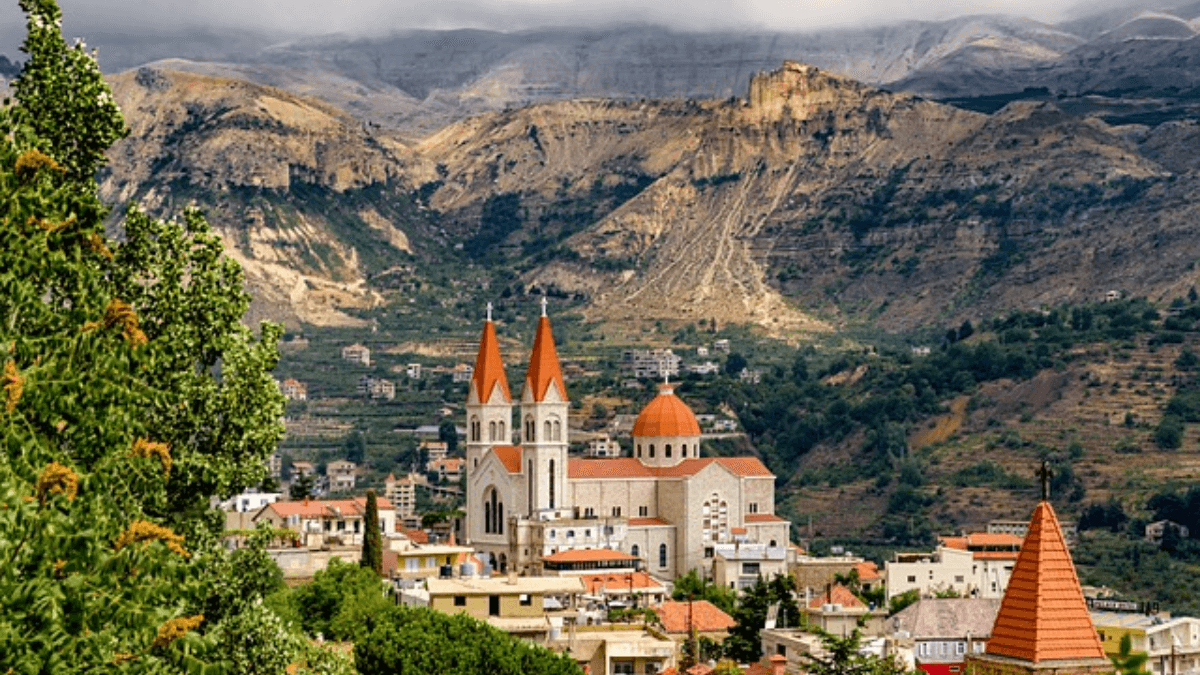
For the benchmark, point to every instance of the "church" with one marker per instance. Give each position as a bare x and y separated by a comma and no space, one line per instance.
666,506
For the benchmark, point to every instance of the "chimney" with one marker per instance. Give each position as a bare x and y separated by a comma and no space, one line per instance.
512,577
451,542
778,664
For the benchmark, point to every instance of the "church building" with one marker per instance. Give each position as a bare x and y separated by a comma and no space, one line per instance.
666,506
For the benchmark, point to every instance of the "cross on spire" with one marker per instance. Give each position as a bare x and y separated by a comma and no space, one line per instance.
1045,473
543,305
489,312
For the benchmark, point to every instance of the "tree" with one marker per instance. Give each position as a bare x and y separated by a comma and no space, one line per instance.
355,447
691,585
734,364
372,549
448,433
899,602
843,657
1126,661
301,488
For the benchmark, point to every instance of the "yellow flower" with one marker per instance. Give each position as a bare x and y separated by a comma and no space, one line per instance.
96,243
175,629
120,314
31,161
14,385
141,530
57,479
143,447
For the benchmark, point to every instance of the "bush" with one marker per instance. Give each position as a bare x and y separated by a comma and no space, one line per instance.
1169,433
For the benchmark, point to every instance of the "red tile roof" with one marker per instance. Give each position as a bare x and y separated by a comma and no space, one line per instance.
510,456
700,669
763,518
666,415
647,522
1044,616
706,617
867,571
618,582
416,536
631,467
841,596
588,554
316,508
489,368
543,369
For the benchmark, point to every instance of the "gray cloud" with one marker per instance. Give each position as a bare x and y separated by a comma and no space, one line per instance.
306,17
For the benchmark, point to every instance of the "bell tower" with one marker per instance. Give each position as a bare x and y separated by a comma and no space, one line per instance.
489,403
543,424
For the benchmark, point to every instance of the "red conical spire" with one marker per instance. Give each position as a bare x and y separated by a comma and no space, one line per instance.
1044,616
543,362
489,369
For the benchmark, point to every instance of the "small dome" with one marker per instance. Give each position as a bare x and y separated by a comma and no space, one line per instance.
666,415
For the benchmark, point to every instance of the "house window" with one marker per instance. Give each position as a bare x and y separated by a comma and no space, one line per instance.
616,512
912,579
526,599
958,579
750,568
960,648
587,533
460,601
633,551
709,551
570,534
622,667
643,511
781,650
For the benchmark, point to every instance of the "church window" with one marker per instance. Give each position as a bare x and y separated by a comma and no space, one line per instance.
487,516
616,512
529,485
643,511
639,448
474,428
633,551
753,507
551,534
551,483
651,451
557,430
548,434
772,544
530,429
570,534
503,432
589,512
492,431
683,450
500,518
715,518
667,450
662,555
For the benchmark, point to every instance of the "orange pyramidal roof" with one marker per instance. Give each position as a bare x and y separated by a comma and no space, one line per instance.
489,369
1044,616
543,363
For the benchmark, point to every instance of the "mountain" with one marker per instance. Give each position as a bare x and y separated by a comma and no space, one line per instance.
815,192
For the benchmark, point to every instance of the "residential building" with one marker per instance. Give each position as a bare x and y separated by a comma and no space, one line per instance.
342,474
376,388
326,522
448,469
1043,625
1172,645
515,605
275,465
974,565
665,504
750,376
413,371
250,500
654,364
679,619
815,574
602,448
705,368
462,373
589,562
619,649
294,390
1070,530
625,589
357,353
434,450
840,612
721,345
419,562
1154,531
945,630
739,565
402,494
302,468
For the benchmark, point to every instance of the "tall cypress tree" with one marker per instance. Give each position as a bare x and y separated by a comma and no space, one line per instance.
372,549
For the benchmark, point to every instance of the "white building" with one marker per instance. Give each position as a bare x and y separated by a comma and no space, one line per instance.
342,474
653,363
250,500
977,565
357,353
327,522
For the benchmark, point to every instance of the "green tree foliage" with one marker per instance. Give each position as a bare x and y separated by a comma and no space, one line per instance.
743,643
355,447
899,602
1109,515
1126,661
130,396
406,641
841,657
339,587
1168,435
448,434
372,549
692,586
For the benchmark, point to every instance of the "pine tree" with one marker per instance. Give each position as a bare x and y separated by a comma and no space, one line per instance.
372,549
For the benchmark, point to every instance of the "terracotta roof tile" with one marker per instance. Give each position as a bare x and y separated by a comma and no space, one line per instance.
510,456
631,467
700,669
588,554
763,518
315,508
415,536
489,368
1044,616
619,582
706,617
994,539
543,371
666,415
841,596
867,570
647,522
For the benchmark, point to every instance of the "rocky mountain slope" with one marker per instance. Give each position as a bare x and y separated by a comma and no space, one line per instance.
815,192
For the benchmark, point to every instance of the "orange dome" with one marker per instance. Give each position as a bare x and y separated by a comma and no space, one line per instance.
666,415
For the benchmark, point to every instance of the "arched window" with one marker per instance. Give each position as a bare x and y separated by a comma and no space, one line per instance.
503,432
492,431
557,430
500,518
487,516
493,512
683,450
503,563
529,484
662,555
651,451
530,429
474,428
639,449
667,450
772,544
551,483
548,434
634,551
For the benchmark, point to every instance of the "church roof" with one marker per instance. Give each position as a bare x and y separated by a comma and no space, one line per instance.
666,415
763,518
1044,616
543,364
489,368
509,456
631,467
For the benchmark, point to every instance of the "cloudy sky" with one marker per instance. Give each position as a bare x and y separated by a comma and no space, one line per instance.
84,17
